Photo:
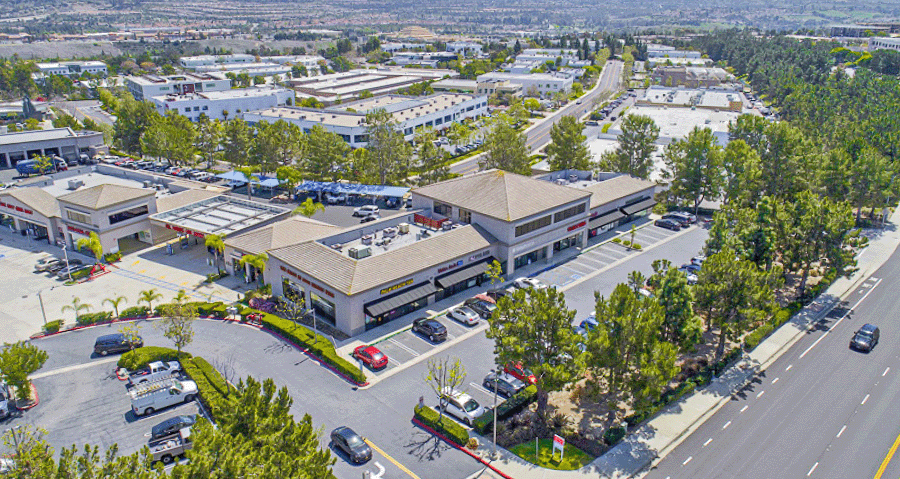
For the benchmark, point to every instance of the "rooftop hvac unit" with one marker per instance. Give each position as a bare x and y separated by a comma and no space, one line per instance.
75,184
447,225
573,178
148,184
561,181
404,228
360,253
389,233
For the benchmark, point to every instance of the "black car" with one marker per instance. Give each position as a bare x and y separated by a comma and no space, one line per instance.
171,426
430,328
682,219
668,224
507,385
866,338
369,218
480,306
497,293
352,444
115,343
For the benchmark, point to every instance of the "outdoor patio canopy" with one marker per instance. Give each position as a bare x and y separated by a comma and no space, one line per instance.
353,189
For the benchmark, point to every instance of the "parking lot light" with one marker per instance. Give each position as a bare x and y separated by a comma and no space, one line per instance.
496,386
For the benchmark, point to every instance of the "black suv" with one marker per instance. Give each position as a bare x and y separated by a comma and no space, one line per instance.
352,444
480,306
115,343
430,328
866,338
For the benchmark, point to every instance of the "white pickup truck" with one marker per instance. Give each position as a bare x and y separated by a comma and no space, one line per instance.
154,371
148,398
166,449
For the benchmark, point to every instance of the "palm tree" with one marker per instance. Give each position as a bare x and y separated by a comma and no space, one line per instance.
115,302
217,243
77,307
181,297
149,296
258,262
93,244
308,208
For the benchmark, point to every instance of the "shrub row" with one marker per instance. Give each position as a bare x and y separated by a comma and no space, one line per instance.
507,408
444,425
81,274
112,257
94,318
216,310
53,326
141,357
214,391
316,343
135,312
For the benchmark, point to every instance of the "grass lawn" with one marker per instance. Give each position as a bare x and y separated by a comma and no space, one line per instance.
574,458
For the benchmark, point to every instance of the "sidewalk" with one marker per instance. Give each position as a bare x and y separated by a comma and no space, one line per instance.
655,439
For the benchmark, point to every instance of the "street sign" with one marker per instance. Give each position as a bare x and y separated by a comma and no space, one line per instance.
558,443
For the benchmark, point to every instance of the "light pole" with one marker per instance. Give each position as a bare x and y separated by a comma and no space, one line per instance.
41,300
496,382
66,253
315,333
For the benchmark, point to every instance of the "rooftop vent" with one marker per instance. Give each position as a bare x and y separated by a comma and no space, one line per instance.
75,184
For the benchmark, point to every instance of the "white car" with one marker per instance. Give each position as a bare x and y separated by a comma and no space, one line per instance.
534,283
335,198
365,210
464,315
698,260
461,406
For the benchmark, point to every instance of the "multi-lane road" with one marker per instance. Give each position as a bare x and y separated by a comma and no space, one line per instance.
820,411
539,135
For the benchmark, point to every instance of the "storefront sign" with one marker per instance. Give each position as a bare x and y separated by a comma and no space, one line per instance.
479,255
396,286
78,230
185,231
308,282
450,266
576,226
17,208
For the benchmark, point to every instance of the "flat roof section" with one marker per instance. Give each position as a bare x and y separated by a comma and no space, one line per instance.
221,215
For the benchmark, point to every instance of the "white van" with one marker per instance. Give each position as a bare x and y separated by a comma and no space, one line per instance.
201,176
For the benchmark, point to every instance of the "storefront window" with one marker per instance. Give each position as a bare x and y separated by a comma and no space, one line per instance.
531,257
373,322
323,307
567,243
293,292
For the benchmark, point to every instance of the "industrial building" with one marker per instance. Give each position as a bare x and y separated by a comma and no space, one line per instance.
542,85
692,77
64,142
883,43
221,105
149,86
349,85
73,69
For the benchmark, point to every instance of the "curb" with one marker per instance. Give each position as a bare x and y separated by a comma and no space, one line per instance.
457,446
37,399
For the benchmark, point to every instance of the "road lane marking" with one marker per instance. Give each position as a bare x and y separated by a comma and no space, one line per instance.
885,371
135,263
743,409
812,469
760,394
865,399
726,425
841,431
775,380
842,318
789,367
687,461
75,367
707,442
389,458
887,459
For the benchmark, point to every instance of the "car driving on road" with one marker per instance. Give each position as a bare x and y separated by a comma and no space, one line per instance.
351,444
865,338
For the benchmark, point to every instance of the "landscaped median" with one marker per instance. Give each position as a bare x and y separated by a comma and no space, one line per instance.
215,393
442,424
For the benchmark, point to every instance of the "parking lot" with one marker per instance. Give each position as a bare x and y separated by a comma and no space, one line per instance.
89,405
406,345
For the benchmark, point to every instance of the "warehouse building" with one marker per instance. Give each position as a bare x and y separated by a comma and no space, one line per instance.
63,142
149,86
215,104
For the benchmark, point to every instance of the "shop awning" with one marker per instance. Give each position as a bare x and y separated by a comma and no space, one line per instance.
462,275
639,206
605,219
408,296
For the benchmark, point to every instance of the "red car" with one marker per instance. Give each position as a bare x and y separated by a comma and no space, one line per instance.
520,373
371,356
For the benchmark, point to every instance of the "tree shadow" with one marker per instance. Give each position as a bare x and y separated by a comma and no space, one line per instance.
425,446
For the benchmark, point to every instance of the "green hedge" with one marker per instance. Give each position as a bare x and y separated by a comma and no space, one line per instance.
81,274
112,257
214,391
507,408
753,339
94,318
613,435
316,343
446,426
53,326
216,309
141,357
135,312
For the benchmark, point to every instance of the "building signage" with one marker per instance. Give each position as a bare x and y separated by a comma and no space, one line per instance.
17,208
450,266
576,226
479,255
185,231
559,444
396,286
308,282
78,230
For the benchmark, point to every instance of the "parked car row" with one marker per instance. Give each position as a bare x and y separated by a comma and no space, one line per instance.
59,268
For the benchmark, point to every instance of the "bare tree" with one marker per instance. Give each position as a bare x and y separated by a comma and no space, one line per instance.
444,375
177,323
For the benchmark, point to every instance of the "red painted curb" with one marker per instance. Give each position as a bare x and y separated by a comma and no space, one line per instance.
463,449
37,399
123,376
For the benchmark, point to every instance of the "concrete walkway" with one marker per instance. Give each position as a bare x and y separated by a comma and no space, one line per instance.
650,443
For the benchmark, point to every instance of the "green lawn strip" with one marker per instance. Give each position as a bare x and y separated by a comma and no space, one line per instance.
573,458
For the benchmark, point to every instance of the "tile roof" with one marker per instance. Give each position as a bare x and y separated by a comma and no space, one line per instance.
615,188
35,198
103,196
351,276
502,195
290,231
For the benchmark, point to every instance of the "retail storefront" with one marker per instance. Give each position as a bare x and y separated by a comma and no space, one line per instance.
604,222
638,209
462,280
398,304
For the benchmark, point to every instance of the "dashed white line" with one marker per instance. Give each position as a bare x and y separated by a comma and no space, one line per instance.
841,431
687,461
842,318
812,469
865,399
775,380
707,442
885,372
726,425
760,394
743,409
789,367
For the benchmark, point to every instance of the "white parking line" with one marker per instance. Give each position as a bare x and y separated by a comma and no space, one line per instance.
687,461
789,367
885,371
865,399
812,469
743,409
841,431
760,394
775,380
726,425
404,347
479,387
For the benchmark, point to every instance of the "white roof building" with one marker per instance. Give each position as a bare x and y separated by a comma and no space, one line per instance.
73,68
214,104
148,86
533,84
